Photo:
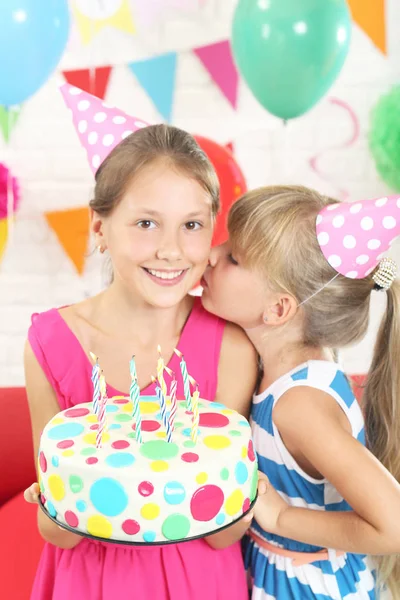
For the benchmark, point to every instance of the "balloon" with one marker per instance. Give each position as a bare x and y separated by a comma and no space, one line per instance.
290,51
231,179
33,36
384,137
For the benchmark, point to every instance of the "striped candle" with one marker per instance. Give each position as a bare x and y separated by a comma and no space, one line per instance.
132,368
134,393
163,407
96,383
185,377
196,417
101,419
172,398
160,372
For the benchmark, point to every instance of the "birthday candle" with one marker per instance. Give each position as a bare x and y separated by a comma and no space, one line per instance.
185,377
134,393
96,383
132,368
172,398
102,412
163,407
196,417
160,372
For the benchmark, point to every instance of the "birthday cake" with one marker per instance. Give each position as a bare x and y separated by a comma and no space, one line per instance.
158,486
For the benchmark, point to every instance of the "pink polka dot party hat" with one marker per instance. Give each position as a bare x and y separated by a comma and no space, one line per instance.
100,127
355,236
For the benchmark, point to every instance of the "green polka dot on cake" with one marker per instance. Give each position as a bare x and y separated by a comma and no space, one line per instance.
234,433
123,417
254,483
159,450
189,444
224,474
75,483
178,424
131,435
88,451
175,527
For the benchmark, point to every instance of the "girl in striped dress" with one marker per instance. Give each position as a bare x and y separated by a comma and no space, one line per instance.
297,275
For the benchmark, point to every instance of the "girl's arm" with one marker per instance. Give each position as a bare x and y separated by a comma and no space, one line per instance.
43,406
237,370
237,374
310,423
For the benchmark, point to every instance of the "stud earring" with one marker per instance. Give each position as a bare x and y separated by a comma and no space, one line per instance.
100,249
265,319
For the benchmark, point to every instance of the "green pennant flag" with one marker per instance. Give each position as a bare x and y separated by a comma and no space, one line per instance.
8,119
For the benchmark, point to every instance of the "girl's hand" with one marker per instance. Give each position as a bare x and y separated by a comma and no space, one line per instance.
269,506
31,495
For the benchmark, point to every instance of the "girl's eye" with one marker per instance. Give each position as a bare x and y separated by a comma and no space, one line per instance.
232,260
193,225
145,224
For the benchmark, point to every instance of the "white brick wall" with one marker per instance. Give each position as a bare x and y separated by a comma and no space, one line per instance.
45,154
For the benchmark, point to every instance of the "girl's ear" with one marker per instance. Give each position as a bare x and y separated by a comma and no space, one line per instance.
282,308
97,227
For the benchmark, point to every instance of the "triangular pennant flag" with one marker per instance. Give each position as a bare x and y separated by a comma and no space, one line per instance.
3,235
8,118
92,17
217,59
157,76
370,16
94,81
72,229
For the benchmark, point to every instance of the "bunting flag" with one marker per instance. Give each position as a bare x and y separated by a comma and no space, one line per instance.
94,81
370,16
92,16
157,76
72,230
3,235
8,119
218,60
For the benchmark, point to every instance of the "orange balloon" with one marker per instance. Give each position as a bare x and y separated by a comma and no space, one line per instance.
231,179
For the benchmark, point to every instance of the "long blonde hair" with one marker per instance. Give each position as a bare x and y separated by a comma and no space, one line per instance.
273,230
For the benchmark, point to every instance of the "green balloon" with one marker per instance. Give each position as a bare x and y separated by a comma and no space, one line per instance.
290,51
384,137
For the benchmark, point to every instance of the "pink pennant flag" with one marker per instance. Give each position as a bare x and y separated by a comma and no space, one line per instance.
217,59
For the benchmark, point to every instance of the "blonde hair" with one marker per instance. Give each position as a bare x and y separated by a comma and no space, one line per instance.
272,230
165,143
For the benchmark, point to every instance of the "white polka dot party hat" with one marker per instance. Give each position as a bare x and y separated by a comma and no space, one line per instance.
354,236
100,127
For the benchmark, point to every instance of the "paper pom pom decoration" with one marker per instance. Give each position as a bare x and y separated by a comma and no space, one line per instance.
8,185
384,138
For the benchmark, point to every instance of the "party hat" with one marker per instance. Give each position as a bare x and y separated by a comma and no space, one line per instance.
354,236
100,127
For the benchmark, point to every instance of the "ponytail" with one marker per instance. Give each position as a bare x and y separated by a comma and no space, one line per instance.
382,412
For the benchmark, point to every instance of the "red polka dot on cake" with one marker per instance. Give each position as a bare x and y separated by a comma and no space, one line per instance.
65,444
71,518
190,457
76,412
213,420
206,502
120,444
42,499
145,488
246,505
130,527
95,426
92,460
250,452
148,425
121,401
42,462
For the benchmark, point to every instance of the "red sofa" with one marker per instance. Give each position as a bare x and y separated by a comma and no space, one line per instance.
21,544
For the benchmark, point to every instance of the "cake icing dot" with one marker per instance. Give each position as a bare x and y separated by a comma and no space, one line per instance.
145,488
81,505
213,419
159,465
120,459
130,527
175,527
224,474
71,518
241,473
72,413
55,461
246,505
56,487
108,496
250,451
254,485
65,430
88,451
111,409
92,419
189,444
217,442
92,460
206,502
201,478
90,438
99,526
148,425
114,426
67,453
234,503
122,418
220,519
159,450
42,462
190,457
149,536
174,493
150,511
64,444
51,509
148,408
75,483
120,444
244,452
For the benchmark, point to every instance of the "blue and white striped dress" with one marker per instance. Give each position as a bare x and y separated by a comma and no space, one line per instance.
346,577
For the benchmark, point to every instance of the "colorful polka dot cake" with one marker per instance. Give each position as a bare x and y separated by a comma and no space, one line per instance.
155,485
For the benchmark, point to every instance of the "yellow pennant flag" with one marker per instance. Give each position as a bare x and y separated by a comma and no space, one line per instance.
3,235
72,229
92,16
370,16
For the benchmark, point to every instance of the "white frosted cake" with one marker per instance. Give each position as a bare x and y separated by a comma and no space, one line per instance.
148,491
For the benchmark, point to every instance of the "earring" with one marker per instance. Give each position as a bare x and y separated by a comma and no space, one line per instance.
100,249
265,319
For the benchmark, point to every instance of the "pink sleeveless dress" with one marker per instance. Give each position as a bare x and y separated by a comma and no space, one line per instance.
96,570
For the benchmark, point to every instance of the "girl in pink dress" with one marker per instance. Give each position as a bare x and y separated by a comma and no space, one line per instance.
153,210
